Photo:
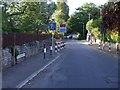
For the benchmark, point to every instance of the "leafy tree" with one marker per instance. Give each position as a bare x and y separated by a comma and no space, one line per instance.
27,16
61,14
111,19
94,26
81,15
7,20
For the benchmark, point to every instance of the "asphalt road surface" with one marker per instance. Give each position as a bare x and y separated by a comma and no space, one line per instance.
79,66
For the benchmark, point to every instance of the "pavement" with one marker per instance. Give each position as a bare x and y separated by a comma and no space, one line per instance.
113,51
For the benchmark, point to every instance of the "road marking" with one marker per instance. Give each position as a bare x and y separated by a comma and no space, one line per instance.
36,73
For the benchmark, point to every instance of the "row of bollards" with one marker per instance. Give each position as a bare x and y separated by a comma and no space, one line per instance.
102,46
58,46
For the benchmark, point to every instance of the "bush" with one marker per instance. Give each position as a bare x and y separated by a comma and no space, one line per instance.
80,37
96,32
113,37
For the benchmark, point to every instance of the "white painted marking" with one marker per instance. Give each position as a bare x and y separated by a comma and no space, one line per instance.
35,73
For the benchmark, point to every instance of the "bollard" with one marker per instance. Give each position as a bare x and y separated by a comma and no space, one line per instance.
109,47
44,51
51,50
58,46
103,46
90,42
99,45
62,45
55,48
117,48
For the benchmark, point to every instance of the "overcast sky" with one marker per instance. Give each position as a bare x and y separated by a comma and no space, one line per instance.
73,4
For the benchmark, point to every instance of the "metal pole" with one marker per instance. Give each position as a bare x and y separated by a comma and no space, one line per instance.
63,36
52,41
14,61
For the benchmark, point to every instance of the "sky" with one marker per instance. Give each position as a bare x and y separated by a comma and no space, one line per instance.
73,4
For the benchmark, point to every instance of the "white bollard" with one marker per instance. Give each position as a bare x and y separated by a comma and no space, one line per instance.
103,46
99,45
51,50
117,47
109,47
45,51
56,48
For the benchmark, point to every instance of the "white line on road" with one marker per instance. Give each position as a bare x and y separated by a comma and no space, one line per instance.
35,73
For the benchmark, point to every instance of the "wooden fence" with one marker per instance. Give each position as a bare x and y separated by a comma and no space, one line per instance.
21,38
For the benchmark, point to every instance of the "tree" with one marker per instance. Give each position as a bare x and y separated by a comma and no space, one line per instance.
27,16
8,11
111,19
61,14
80,16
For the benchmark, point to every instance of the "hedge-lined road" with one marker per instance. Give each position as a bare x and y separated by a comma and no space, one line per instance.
79,66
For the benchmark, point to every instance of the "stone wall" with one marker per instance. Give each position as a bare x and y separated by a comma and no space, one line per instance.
29,49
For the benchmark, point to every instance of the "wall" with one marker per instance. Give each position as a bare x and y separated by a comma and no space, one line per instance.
29,49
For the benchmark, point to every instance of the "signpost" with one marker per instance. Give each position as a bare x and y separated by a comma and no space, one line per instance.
63,29
53,28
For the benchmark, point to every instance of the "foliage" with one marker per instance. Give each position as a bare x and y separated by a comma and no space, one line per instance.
79,36
110,16
94,27
111,20
81,15
61,14
27,16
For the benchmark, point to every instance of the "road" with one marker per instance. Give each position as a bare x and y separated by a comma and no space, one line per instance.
79,66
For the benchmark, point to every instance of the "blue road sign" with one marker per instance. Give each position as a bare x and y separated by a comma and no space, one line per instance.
63,30
53,26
